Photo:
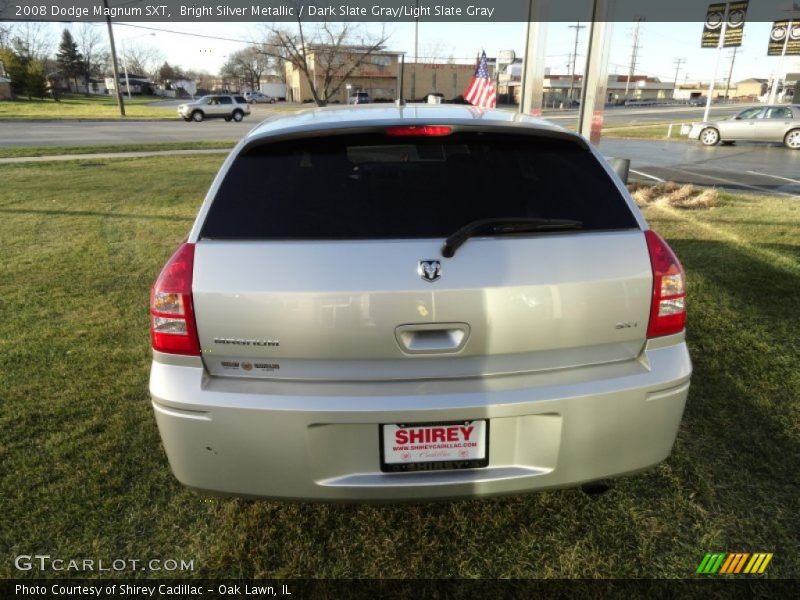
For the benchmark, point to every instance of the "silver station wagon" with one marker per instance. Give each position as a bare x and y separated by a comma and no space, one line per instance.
404,303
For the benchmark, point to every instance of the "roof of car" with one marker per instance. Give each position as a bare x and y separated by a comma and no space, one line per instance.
383,114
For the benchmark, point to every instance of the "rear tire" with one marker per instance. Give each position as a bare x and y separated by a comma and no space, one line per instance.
792,139
197,116
709,136
238,115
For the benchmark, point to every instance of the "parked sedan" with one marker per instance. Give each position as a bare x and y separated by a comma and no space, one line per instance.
217,106
258,98
758,124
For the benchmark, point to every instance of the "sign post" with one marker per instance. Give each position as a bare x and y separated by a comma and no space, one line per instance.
784,40
723,28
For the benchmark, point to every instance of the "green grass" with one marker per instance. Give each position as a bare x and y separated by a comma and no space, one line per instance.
16,151
650,132
84,474
72,106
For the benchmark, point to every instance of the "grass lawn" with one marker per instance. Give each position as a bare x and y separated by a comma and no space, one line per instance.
15,151
84,474
650,132
72,106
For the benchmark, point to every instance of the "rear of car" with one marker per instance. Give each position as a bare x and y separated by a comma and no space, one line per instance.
315,338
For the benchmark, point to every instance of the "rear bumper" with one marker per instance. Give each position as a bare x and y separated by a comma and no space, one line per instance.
319,441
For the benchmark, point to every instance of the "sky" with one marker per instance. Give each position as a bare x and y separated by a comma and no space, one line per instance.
660,45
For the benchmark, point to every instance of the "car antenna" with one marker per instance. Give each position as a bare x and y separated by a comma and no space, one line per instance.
400,101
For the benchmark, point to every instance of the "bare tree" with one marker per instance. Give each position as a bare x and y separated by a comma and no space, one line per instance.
326,57
141,59
436,52
5,36
248,66
33,40
92,48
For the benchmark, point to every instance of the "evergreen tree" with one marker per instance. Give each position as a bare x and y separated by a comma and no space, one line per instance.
17,69
68,58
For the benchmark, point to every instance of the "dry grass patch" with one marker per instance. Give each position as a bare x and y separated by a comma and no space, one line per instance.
672,194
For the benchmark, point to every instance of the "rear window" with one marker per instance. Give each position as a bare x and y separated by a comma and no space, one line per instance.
375,186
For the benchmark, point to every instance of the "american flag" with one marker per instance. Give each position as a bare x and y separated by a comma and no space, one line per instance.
480,91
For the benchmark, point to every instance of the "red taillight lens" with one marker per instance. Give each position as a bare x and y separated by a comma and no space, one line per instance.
668,310
172,326
418,130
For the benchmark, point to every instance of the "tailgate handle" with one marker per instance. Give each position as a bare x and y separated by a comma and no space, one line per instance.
432,338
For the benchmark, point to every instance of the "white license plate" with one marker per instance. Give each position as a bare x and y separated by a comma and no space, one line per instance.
456,445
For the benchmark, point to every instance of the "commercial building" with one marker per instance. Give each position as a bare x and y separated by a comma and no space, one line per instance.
378,74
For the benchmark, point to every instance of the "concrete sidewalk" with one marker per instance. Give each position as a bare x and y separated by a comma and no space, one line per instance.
103,155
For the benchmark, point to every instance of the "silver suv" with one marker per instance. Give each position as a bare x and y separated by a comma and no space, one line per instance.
220,106
392,303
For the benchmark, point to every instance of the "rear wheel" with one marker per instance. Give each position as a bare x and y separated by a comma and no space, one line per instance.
238,115
197,116
709,136
792,139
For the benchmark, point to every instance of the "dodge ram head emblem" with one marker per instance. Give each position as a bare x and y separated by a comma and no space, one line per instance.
430,270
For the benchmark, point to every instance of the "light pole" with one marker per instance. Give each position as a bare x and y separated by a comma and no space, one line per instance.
123,43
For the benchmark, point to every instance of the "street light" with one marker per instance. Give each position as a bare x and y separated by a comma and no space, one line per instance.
125,56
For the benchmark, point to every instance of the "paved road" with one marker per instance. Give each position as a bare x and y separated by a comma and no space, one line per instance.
87,133
93,133
748,167
643,116
751,167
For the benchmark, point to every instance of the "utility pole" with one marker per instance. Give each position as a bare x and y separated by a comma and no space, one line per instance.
120,101
634,52
730,72
577,27
677,62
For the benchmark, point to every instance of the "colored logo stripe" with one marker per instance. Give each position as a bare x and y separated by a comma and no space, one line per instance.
758,563
734,563
711,563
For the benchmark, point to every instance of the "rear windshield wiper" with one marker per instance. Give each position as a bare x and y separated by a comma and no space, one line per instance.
501,226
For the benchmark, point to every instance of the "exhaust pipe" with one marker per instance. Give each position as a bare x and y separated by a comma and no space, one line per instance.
594,489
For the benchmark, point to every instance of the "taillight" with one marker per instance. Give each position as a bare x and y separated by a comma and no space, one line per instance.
172,326
668,310
418,130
